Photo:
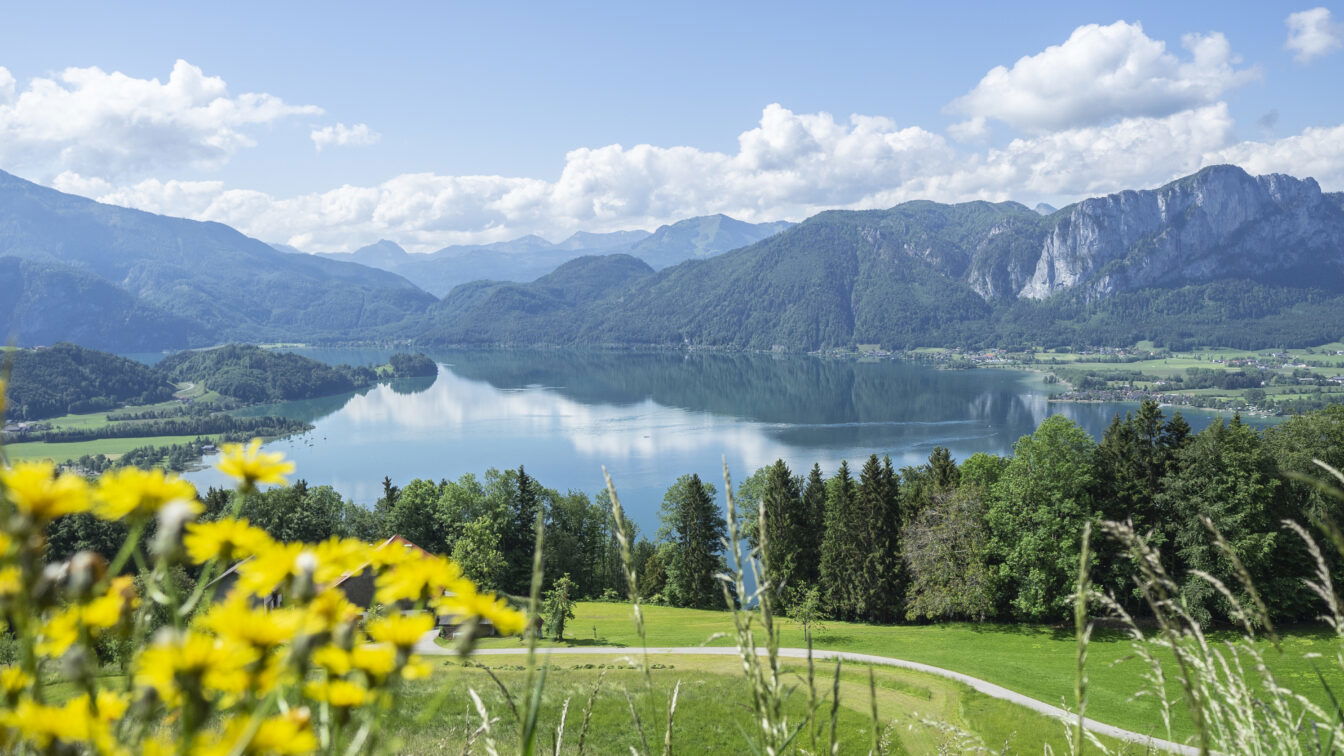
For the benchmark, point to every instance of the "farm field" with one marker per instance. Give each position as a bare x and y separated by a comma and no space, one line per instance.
112,447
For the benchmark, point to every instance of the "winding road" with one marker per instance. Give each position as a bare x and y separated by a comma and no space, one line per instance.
428,647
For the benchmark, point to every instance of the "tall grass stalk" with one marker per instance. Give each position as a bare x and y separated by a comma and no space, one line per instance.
536,677
620,526
764,678
1235,702
1082,626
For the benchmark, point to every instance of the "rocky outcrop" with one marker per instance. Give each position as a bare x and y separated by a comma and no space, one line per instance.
1218,223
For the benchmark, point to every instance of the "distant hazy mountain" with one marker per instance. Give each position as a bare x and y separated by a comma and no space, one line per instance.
124,279
500,312
1045,208
613,240
698,238
529,257
1220,257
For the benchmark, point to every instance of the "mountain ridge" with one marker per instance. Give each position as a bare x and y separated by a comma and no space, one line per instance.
1191,259
529,257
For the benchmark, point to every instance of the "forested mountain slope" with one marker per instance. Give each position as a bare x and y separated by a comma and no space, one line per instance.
66,378
215,282
1219,257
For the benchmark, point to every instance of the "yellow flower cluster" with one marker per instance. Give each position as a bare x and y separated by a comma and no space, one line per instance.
262,652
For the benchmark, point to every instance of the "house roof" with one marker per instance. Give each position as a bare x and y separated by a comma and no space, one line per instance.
393,542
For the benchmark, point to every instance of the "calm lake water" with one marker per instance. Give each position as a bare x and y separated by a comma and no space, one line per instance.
650,417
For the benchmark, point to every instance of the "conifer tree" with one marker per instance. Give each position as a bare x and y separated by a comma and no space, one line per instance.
519,538
787,539
841,556
880,581
694,528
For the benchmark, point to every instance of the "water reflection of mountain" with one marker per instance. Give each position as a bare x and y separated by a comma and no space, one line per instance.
312,410
762,388
815,402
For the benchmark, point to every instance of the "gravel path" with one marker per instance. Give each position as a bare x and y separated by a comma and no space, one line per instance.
428,647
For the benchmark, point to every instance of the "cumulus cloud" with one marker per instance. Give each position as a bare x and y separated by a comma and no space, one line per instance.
6,85
341,135
1102,74
1317,152
110,125
1312,34
790,165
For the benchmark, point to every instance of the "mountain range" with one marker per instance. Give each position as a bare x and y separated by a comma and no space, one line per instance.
1219,257
114,278
529,257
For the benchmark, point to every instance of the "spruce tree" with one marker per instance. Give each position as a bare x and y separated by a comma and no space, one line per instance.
880,581
943,471
694,528
519,538
841,555
786,522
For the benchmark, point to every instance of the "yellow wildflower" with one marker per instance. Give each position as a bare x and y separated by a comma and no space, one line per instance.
281,735
224,539
40,494
401,630
337,557
11,581
328,610
335,660
285,734
132,492
14,680
469,603
73,723
103,612
263,574
416,669
377,660
250,466
262,629
193,660
342,694
414,579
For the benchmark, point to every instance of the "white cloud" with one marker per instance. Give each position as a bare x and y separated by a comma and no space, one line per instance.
1104,73
790,165
1312,33
115,126
970,130
1317,152
6,85
341,135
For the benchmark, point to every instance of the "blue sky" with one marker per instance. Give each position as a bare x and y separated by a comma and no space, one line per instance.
443,92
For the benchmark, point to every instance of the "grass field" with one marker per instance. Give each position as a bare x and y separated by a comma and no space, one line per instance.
1033,660
713,708
112,447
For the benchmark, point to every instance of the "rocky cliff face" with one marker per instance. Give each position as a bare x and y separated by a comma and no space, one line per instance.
1218,223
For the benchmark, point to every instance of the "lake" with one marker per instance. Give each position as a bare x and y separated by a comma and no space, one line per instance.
650,417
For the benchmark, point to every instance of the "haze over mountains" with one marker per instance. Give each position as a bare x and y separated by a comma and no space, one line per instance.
1219,257
529,257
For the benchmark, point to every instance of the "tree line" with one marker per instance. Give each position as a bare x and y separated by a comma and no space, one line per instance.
179,426
999,537
985,538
